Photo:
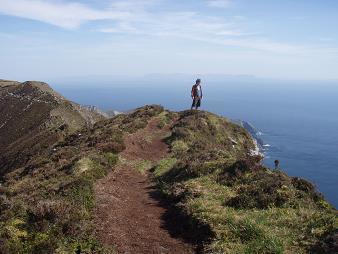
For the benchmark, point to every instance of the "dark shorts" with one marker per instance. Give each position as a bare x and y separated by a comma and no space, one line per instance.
196,102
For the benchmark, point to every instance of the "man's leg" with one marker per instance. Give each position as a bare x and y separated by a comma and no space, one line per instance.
198,103
193,103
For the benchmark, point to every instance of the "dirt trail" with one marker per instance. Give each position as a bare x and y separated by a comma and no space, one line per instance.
130,212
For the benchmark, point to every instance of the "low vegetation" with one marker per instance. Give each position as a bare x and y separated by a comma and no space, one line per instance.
46,206
247,207
48,211
211,174
33,118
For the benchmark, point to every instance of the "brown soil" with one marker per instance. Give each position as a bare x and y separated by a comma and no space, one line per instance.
130,213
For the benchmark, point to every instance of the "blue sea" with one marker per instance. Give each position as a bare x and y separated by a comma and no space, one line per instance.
299,120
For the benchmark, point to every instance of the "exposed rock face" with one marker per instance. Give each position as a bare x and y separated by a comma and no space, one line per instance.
95,110
33,117
112,113
256,134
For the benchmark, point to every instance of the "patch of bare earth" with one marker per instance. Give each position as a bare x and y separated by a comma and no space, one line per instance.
130,213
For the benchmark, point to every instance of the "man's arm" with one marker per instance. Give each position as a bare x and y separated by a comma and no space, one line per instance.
192,92
201,92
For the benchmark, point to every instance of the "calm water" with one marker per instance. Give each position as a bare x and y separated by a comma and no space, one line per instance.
298,120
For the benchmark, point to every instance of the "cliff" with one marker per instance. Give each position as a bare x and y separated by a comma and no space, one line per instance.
32,117
206,179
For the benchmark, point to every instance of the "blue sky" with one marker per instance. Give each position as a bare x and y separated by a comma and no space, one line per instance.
289,39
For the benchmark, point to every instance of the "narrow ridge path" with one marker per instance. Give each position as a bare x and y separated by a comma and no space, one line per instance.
129,213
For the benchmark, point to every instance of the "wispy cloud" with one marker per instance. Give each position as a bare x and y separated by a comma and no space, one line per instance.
67,15
193,26
176,23
139,17
219,3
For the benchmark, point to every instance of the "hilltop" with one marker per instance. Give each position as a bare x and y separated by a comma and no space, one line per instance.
154,181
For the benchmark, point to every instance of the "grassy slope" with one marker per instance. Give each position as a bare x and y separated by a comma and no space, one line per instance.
34,117
248,208
46,206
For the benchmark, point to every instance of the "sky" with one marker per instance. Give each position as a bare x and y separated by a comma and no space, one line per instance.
48,39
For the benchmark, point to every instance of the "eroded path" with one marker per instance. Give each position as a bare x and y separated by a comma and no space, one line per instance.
129,212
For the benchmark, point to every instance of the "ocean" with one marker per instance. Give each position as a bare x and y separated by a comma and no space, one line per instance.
298,120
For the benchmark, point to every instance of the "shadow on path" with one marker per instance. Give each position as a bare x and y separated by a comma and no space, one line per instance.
180,225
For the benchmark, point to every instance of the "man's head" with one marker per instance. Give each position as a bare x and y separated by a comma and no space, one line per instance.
198,81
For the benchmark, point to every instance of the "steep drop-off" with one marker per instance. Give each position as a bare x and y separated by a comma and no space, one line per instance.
152,181
33,117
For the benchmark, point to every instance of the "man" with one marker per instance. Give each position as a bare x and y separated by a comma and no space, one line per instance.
196,94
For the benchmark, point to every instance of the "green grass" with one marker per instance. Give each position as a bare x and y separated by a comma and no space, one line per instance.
136,120
164,119
273,230
178,147
248,208
112,159
51,209
142,165
47,205
164,166
57,221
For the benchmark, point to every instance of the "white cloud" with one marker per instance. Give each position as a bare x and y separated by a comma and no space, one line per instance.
219,3
122,27
176,24
67,15
208,29
139,17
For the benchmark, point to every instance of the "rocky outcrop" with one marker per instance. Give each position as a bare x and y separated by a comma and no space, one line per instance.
254,132
94,110
112,113
256,136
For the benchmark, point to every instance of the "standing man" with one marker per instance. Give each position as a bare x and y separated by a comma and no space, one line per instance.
196,94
